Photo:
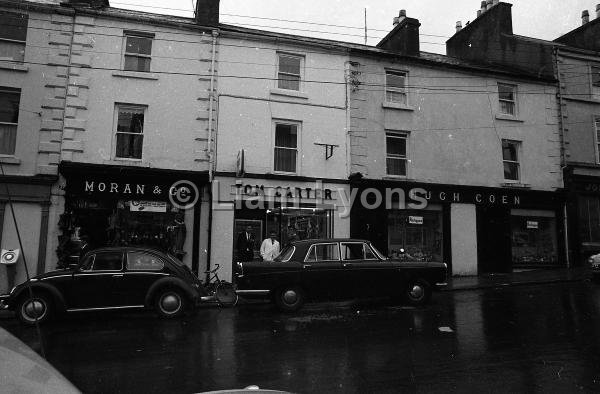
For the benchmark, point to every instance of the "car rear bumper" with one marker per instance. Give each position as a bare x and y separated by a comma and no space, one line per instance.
253,292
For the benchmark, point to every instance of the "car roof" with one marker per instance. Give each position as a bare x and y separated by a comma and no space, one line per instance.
126,249
326,240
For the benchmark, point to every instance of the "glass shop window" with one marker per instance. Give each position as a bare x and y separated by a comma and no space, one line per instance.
418,232
533,240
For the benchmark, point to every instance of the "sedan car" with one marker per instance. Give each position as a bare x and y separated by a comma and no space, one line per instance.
337,269
108,278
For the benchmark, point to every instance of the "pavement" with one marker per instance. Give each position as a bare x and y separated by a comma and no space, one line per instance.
516,278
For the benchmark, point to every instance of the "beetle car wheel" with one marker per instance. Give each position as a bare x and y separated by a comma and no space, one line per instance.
418,292
290,299
170,303
32,309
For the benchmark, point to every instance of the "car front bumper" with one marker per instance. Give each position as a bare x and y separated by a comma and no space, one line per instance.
3,300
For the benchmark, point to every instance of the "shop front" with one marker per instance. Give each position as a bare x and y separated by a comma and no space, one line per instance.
583,207
122,206
31,203
472,229
292,209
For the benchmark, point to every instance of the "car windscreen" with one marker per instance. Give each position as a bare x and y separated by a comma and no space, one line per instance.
285,254
175,260
381,256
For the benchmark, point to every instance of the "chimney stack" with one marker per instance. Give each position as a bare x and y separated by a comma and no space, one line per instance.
458,26
207,12
585,17
400,18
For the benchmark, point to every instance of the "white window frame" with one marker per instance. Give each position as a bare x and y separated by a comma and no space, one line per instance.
12,124
10,40
298,126
596,120
400,135
517,162
118,106
394,89
300,75
514,101
142,35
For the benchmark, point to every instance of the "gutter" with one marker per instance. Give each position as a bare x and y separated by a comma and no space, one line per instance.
211,156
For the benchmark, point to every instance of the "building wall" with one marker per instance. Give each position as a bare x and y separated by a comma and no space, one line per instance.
454,126
249,102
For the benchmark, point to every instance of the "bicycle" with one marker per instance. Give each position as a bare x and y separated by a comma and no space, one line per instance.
219,290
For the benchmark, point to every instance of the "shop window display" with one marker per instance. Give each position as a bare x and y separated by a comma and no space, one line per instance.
293,224
415,235
120,223
533,240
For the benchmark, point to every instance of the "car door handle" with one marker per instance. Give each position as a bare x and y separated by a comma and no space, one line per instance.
117,276
345,265
306,265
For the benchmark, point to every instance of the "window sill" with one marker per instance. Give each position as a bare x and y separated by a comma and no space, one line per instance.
136,74
397,177
14,66
516,185
402,107
127,159
289,93
8,159
511,118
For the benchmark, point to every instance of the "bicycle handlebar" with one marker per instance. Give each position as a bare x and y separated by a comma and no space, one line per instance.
213,270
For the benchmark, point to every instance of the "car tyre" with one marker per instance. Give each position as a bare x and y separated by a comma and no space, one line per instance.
417,292
290,298
39,306
170,303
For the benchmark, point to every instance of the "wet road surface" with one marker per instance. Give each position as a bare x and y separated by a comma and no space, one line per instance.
525,338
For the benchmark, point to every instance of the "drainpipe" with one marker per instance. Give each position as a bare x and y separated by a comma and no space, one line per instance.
563,158
211,96
211,156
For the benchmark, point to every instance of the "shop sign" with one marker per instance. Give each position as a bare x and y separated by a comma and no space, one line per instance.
129,189
533,224
147,206
286,192
415,220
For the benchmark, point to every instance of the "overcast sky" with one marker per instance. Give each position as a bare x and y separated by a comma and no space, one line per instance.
546,19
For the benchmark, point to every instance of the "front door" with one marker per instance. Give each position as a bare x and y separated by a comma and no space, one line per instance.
95,284
322,272
493,240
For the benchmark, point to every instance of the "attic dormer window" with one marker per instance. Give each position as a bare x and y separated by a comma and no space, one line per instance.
395,87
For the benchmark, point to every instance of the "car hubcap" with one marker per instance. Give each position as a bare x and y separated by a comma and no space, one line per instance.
416,291
34,309
290,297
170,303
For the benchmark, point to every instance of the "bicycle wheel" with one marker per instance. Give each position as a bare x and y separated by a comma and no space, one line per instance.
226,295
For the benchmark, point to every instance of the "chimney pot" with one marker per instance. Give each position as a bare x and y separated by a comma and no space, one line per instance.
402,13
495,2
478,13
488,4
458,26
597,10
483,5
585,17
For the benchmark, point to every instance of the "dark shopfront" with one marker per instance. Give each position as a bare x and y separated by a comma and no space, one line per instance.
124,206
514,228
583,208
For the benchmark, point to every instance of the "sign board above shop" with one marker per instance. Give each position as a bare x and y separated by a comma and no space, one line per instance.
415,220
147,206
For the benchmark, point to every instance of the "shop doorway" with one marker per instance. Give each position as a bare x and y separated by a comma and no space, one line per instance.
493,240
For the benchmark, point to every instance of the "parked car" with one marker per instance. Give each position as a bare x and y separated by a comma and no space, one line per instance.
594,261
23,371
337,269
109,278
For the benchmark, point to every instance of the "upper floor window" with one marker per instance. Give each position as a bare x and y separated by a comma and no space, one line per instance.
289,72
510,159
396,158
13,33
395,87
597,126
130,131
596,76
286,147
507,96
138,51
9,118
